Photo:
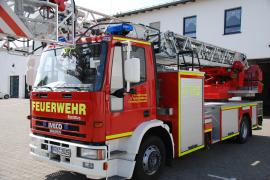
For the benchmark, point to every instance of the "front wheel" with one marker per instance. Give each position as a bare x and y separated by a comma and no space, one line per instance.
6,96
244,131
150,160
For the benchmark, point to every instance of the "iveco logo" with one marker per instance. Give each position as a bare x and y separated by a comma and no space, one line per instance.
55,126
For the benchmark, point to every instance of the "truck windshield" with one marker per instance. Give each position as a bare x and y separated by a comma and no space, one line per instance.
80,68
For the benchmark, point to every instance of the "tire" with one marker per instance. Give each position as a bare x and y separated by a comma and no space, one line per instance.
6,96
244,131
152,150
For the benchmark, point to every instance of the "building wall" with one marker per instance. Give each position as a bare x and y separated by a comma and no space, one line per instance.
6,70
254,39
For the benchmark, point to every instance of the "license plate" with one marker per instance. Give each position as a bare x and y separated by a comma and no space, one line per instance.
61,151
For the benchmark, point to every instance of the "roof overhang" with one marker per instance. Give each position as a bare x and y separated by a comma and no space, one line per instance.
158,7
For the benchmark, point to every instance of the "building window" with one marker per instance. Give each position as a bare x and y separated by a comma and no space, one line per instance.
232,21
155,25
190,26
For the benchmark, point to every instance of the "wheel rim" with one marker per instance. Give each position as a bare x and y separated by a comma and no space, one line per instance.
151,160
244,130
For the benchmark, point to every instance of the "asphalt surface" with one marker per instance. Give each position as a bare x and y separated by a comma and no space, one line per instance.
224,161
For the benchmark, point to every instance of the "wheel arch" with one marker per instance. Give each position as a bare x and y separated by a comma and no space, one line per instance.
156,128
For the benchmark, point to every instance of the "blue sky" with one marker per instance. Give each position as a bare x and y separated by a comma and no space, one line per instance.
115,6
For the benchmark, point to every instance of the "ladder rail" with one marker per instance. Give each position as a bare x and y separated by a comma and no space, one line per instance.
174,43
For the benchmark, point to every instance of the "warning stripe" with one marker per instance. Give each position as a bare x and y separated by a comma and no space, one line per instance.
6,29
11,23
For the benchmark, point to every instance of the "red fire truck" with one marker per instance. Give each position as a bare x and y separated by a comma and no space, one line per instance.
125,100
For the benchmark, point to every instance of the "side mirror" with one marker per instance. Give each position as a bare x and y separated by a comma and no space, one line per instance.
132,71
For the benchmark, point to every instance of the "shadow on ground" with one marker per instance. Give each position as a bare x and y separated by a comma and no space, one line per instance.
65,175
227,161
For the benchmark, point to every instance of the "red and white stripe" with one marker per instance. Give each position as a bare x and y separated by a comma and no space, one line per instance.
10,23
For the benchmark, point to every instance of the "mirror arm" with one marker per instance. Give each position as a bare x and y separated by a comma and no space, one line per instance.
120,93
128,87
129,49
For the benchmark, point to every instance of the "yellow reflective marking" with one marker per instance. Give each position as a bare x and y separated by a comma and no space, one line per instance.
245,105
230,107
192,90
236,107
254,126
116,136
231,136
208,130
192,73
131,40
192,150
179,115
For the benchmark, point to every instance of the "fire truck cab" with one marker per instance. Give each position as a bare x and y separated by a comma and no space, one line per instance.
104,96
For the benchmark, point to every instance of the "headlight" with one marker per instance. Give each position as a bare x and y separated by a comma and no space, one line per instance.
95,154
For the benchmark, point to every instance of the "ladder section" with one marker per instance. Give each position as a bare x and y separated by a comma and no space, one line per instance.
29,19
174,45
23,21
46,21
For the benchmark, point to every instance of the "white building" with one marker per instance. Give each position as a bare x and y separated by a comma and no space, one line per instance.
12,74
240,25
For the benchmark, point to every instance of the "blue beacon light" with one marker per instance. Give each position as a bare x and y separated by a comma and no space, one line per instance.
120,29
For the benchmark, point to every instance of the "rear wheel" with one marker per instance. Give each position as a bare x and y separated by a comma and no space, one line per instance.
6,96
150,160
244,131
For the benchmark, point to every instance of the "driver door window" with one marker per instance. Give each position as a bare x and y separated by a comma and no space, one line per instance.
137,52
117,81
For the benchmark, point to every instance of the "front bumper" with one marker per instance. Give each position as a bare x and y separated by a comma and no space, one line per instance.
95,168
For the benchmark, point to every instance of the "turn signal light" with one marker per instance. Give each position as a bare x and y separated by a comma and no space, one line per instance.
98,124
105,166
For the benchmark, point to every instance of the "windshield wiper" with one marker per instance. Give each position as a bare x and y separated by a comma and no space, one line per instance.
77,88
46,87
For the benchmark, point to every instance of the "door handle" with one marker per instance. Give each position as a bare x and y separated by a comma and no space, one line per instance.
146,113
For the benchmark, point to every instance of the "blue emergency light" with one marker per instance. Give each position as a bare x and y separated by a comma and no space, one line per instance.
119,29
62,39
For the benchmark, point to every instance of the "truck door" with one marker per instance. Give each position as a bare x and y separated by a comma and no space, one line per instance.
130,109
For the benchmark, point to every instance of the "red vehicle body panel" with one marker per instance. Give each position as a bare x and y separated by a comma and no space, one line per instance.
138,107
169,98
82,123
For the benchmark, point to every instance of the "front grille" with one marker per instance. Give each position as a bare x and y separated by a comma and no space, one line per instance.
59,126
79,122
65,126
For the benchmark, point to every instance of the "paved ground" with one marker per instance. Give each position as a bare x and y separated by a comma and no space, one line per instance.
226,161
